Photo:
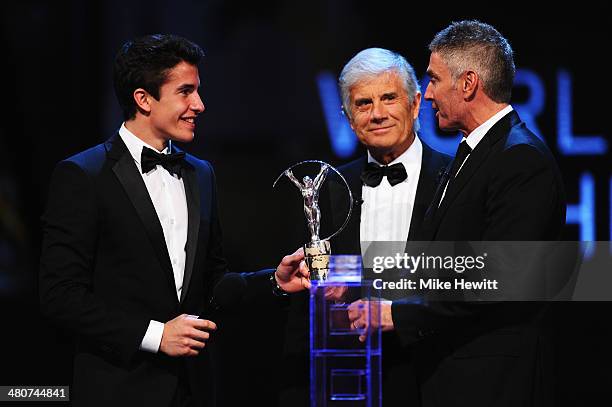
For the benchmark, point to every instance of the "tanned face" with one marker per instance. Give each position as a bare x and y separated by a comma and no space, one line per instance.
444,94
382,115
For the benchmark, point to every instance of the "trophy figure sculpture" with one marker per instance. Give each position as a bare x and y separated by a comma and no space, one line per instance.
317,250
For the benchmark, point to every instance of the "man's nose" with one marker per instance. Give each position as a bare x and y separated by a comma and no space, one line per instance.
197,105
379,112
428,92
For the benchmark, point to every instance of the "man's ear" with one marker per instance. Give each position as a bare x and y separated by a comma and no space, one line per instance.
143,100
416,105
470,84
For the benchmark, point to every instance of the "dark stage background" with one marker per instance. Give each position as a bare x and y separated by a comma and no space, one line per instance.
266,89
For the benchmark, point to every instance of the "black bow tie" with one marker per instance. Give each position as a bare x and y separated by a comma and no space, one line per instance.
373,174
173,163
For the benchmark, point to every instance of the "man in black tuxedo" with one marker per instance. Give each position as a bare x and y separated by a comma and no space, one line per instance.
393,186
132,242
503,185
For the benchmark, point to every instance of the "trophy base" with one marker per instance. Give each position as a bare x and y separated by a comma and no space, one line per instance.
316,255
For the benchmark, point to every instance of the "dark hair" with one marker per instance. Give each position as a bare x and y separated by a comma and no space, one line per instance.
145,63
473,45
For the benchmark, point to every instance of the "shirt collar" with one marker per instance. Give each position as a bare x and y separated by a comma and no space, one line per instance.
135,144
479,132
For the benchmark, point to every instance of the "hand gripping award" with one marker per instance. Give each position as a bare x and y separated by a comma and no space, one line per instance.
317,251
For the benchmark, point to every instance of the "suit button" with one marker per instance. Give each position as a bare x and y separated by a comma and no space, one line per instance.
424,333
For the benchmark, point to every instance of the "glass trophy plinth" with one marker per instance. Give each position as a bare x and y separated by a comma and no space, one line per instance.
344,371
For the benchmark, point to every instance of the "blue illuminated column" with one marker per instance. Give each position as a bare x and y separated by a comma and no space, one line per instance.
343,370
343,141
583,213
570,144
534,105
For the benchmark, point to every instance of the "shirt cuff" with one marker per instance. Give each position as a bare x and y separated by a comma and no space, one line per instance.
153,337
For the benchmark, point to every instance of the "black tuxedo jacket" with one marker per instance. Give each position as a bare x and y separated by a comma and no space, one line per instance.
105,273
399,383
510,189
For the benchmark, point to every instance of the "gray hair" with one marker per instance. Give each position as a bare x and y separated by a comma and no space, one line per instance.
373,62
476,46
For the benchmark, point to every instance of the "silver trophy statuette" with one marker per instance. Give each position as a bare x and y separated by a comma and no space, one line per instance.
317,250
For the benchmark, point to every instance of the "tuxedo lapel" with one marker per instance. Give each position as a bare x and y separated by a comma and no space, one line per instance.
474,161
431,172
349,240
192,194
135,188
427,231
356,187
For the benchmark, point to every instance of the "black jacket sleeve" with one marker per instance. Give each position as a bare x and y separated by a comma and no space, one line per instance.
70,227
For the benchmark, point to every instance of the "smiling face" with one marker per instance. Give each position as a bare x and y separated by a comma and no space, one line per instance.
383,116
445,95
172,117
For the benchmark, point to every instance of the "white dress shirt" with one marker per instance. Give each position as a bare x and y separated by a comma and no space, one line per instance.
476,136
386,211
168,195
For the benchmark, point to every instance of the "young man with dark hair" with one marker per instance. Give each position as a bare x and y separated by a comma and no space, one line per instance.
132,242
